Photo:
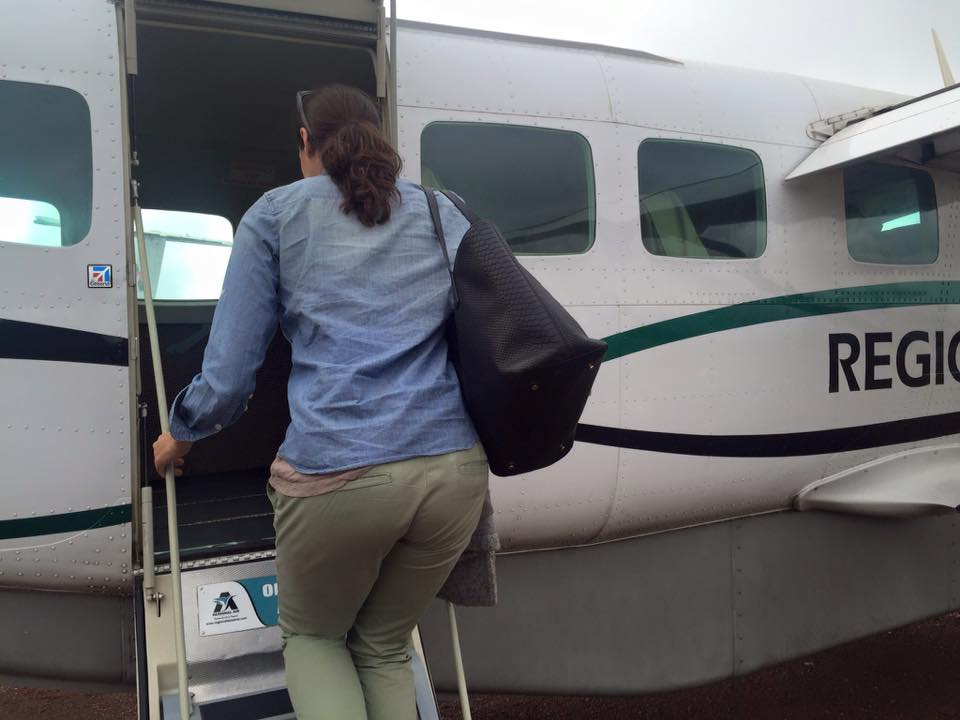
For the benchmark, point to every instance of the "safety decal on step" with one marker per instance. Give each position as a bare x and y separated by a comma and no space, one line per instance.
230,607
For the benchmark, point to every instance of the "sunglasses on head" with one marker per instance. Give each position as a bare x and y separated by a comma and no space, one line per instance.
303,115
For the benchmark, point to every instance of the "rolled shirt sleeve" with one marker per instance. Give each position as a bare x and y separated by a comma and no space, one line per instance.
244,323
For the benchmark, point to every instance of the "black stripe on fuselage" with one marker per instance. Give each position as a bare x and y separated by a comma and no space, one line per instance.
33,341
817,442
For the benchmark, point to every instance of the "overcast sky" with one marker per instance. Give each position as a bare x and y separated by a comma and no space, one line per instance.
884,44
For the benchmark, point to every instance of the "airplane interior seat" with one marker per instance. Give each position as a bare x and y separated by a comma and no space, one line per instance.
674,231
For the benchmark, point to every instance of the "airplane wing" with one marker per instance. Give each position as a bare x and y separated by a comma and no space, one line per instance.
885,488
924,130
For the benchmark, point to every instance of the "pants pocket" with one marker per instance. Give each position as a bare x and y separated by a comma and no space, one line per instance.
367,481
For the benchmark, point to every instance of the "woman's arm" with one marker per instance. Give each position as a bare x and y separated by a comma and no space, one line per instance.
244,322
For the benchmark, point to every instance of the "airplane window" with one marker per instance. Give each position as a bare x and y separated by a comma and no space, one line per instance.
187,254
536,184
891,215
46,165
701,200
29,222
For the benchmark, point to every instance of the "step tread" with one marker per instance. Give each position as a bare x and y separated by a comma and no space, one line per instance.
220,514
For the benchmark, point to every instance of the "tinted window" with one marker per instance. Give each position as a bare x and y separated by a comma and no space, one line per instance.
187,254
891,215
535,184
701,200
46,167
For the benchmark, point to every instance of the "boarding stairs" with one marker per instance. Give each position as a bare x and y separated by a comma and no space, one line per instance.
208,640
234,665
229,598
228,595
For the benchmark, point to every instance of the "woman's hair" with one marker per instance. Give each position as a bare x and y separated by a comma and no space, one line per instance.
344,127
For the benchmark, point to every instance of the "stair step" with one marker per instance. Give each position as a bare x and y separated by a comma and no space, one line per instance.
216,514
234,661
273,705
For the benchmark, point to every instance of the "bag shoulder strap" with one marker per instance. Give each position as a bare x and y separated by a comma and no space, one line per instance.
465,209
438,229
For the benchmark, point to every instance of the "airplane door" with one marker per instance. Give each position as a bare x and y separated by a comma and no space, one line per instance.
65,379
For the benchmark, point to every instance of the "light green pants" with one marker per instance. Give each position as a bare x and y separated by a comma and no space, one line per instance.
357,567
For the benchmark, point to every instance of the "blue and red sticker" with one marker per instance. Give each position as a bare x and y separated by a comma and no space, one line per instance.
99,276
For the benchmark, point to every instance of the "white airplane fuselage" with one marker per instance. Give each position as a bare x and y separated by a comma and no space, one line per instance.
732,385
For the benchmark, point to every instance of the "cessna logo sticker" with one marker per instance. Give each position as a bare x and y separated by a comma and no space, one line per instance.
99,276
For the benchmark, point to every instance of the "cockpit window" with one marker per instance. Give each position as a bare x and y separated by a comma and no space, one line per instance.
701,200
46,165
187,254
535,184
891,215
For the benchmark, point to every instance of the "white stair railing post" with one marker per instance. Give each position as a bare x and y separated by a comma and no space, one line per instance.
458,663
169,475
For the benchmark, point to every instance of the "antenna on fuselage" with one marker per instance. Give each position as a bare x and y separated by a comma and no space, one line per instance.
942,58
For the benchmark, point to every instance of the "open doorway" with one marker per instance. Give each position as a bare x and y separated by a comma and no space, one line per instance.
214,125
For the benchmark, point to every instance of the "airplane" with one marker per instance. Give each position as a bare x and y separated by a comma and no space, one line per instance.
769,463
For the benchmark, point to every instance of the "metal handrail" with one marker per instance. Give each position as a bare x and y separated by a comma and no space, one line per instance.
458,663
169,475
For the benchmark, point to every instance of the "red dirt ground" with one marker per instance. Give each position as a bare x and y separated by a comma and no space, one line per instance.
907,674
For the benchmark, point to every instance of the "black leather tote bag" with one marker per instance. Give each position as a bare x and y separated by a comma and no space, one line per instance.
526,367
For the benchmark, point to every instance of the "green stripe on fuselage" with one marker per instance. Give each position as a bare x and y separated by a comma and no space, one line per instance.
785,307
65,522
757,312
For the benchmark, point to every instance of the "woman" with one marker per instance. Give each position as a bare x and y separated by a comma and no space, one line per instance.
380,480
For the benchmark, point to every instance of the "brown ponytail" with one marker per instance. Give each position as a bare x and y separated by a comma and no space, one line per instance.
345,129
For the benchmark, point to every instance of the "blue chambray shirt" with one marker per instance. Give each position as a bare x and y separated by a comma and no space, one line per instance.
363,309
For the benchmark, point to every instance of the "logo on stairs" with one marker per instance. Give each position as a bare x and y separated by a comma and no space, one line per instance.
226,607
225,604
